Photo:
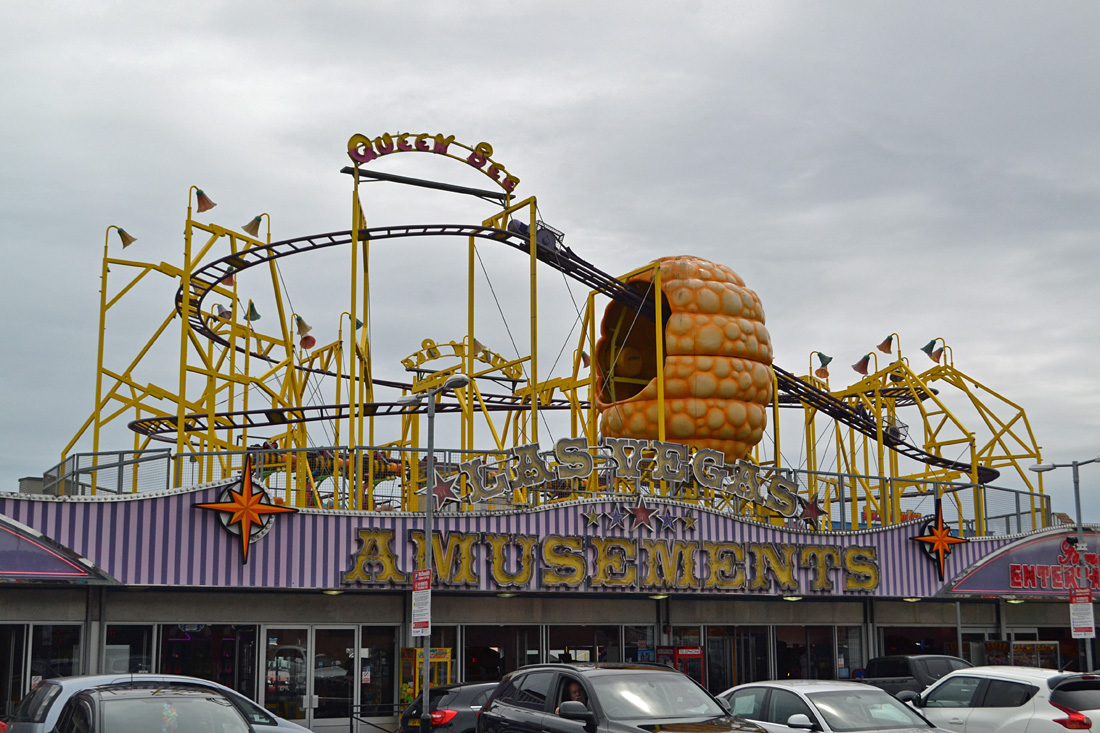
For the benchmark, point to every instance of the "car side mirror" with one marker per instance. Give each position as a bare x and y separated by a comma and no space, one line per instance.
908,696
725,705
800,720
574,710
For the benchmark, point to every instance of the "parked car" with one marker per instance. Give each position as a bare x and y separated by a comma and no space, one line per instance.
454,708
614,698
822,705
910,671
140,708
38,711
1003,699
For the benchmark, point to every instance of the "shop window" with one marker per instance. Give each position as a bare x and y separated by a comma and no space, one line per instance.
446,637
638,644
849,651
128,649
55,651
12,654
804,652
223,653
377,669
686,636
584,644
493,651
919,640
286,669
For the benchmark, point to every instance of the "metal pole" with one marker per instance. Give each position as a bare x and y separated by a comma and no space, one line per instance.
429,498
1085,581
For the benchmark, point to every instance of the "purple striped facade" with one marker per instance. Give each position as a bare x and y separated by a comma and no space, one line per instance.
163,540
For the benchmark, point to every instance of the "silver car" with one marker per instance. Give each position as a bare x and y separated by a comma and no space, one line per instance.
783,706
39,710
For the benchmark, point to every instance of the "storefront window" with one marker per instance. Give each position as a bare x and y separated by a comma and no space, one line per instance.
446,637
128,649
376,669
919,640
638,644
286,667
804,652
686,636
492,651
55,651
736,655
584,644
222,653
849,651
12,655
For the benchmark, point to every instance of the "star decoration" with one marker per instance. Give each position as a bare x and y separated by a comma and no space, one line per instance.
247,507
445,490
667,522
938,540
643,515
617,518
811,511
593,518
689,522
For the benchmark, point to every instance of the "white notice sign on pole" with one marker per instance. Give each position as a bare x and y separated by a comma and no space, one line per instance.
422,603
1081,619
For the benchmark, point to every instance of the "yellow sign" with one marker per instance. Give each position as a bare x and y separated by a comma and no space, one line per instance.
363,149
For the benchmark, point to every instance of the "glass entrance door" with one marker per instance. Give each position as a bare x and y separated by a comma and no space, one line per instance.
309,675
333,672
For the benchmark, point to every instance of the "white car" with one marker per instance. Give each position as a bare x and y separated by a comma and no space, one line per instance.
39,710
785,706
1005,699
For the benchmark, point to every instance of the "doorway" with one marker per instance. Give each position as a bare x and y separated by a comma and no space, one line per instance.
309,674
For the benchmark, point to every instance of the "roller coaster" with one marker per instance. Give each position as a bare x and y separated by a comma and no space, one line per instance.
874,468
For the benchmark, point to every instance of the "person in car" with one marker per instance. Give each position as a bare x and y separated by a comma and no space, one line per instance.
574,692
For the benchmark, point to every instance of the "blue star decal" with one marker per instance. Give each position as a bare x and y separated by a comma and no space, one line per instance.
666,522
617,518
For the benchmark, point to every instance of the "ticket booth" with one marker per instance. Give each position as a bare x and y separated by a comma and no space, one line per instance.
688,659
412,672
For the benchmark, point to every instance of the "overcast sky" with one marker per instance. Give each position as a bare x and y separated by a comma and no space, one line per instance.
928,169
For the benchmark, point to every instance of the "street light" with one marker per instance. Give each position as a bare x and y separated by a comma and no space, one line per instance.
456,381
1043,468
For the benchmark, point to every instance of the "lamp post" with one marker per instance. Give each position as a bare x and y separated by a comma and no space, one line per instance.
1044,467
456,381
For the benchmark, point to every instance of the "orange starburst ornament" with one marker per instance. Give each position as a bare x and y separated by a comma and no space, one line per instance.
247,507
938,540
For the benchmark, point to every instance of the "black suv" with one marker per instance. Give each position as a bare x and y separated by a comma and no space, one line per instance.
618,698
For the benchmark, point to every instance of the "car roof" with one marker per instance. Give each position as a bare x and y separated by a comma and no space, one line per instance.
1029,674
84,681
143,690
807,686
596,668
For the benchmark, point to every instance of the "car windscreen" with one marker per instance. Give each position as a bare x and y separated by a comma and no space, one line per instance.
168,712
655,694
871,709
33,707
1077,694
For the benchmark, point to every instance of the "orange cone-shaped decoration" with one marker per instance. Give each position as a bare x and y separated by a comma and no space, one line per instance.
717,361
861,365
252,228
127,239
887,344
